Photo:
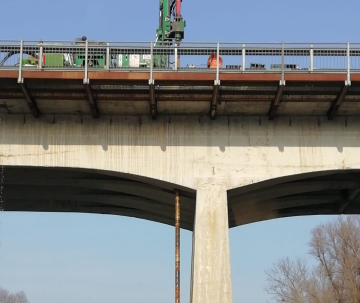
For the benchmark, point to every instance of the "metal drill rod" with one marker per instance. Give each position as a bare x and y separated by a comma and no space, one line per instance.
177,247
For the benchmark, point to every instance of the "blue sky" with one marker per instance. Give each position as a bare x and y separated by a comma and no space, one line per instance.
91,258
97,258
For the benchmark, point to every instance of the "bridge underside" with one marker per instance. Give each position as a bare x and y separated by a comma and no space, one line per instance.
94,191
91,191
179,93
320,193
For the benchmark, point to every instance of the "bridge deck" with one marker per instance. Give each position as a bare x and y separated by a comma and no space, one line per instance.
179,92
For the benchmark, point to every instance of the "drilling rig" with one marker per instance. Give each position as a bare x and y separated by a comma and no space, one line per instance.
169,30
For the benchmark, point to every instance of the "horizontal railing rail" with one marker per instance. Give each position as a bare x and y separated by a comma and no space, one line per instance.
228,57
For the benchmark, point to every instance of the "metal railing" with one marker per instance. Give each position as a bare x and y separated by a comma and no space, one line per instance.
236,57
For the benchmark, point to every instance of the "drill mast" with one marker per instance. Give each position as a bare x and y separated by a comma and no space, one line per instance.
170,30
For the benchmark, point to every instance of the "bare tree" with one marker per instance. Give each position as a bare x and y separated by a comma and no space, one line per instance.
7,297
336,277
3,295
287,280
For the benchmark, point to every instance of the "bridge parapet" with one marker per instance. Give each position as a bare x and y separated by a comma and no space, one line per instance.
130,56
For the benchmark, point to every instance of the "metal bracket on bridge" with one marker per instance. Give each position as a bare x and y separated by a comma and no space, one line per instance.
152,100
30,101
215,99
352,195
90,97
337,102
275,104
216,88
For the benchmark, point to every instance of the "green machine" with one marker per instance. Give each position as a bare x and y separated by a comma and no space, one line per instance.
170,31
94,59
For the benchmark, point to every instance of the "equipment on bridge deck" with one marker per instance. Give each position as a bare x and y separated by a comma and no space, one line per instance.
94,60
212,61
169,31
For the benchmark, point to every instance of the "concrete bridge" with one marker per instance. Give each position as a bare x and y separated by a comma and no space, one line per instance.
242,167
229,172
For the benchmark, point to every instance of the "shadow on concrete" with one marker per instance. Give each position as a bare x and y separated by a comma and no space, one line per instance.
48,189
329,192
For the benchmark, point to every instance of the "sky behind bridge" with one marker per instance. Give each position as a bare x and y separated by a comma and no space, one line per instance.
72,258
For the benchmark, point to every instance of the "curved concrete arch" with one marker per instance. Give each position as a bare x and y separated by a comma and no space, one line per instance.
328,192
50,189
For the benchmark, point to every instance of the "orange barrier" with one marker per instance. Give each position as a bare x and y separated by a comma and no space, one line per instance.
212,61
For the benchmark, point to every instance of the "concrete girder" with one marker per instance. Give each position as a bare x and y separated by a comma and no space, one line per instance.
249,212
293,189
134,202
124,187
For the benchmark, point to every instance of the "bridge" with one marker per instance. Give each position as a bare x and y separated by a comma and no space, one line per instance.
254,79
272,133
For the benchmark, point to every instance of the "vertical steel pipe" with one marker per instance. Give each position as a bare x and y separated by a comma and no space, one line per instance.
86,80
282,63
217,63
177,247
151,81
348,63
40,60
243,57
20,79
176,57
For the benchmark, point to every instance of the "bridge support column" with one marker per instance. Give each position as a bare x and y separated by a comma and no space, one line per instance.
211,278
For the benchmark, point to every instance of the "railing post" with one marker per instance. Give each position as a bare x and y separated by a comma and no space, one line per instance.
282,82
311,58
348,80
217,64
20,78
151,80
176,56
40,66
107,57
243,58
86,80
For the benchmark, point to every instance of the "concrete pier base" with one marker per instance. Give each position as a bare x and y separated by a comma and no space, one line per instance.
211,278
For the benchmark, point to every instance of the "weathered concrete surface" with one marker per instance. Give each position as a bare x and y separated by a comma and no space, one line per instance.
211,276
182,150
226,153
